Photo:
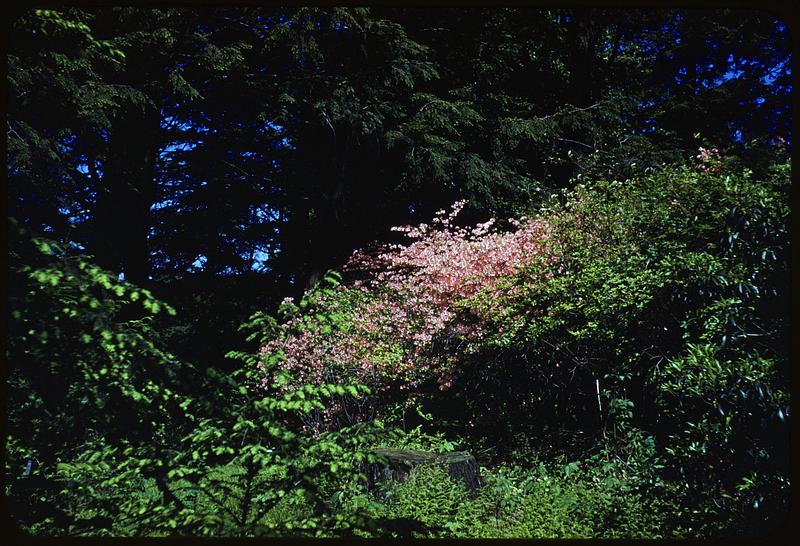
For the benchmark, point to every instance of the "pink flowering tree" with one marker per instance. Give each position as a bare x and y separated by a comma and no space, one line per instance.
408,316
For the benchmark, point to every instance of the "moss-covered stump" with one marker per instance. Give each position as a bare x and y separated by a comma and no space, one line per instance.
460,465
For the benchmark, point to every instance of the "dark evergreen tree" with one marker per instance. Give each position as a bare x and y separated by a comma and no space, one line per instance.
232,140
98,118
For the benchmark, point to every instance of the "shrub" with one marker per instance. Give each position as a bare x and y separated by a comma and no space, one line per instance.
429,496
106,439
538,503
670,294
397,330
657,304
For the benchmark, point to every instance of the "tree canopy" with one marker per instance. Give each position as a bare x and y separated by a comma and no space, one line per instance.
228,140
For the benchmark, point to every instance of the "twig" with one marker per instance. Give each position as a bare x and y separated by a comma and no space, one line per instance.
573,111
16,134
237,168
576,142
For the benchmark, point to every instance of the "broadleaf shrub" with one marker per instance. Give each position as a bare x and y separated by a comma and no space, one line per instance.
631,335
650,308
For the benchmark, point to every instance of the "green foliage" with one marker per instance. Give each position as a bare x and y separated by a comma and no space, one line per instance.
76,326
89,376
430,497
666,303
644,362
418,439
729,417
668,298
577,500
117,445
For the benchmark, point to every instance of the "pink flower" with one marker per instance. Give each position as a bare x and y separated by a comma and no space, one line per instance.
415,310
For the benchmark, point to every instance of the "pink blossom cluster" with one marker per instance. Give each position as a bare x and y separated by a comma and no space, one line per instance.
410,318
446,264
368,327
710,160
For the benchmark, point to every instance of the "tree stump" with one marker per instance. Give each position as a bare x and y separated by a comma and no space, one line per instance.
460,465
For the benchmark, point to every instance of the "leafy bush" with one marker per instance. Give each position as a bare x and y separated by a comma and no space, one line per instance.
669,294
565,502
88,379
634,337
431,498
106,438
653,308
395,328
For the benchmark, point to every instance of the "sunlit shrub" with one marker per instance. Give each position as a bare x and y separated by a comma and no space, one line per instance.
400,328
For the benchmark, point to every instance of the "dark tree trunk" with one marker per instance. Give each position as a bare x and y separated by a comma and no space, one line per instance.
327,218
125,195
584,31
690,120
